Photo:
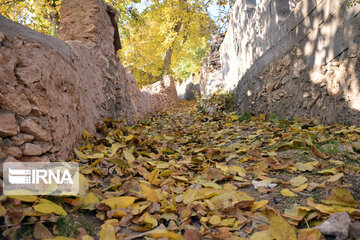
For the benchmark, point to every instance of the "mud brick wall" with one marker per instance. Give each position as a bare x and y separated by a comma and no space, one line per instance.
51,89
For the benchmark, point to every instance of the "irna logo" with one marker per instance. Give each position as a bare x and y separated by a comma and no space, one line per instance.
27,176
39,178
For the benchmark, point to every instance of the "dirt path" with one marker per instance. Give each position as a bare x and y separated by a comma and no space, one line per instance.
189,174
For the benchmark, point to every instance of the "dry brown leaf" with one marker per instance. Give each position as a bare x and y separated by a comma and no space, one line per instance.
191,234
318,153
41,232
310,234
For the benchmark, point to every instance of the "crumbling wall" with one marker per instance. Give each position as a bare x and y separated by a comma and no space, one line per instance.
50,90
161,94
211,79
304,62
189,89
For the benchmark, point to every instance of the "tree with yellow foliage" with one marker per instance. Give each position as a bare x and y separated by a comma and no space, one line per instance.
167,37
170,36
40,15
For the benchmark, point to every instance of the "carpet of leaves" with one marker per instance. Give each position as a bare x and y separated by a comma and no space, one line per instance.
185,174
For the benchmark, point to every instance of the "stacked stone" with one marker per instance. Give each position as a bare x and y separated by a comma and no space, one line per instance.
212,60
24,136
51,89
211,78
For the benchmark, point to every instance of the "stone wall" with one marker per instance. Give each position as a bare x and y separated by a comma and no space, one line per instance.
160,95
52,89
304,62
211,79
189,89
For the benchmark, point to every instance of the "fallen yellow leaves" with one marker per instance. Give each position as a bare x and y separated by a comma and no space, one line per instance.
148,221
24,198
300,188
215,220
304,167
107,232
211,177
287,193
2,211
298,181
310,234
129,157
150,193
318,153
46,206
341,197
162,233
119,202
280,229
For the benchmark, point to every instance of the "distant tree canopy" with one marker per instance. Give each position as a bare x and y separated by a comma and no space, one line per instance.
168,37
40,15
43,15
165,37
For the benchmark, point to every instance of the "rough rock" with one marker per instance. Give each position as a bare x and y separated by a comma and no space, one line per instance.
31,127
336,226
22,138
12,151
2,154
32,149
28,75
89,22
54,149
46,147
9,159
355,230
8,125
16,102
39,105
17,43
34,159
261,184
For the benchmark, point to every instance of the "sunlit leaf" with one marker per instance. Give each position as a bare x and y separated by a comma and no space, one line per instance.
119,202
298,181
310,234
280,229
341,197
287,193
46,206
107,232
148,221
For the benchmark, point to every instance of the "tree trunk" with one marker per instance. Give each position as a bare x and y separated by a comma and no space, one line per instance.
55,19
168,55
55,23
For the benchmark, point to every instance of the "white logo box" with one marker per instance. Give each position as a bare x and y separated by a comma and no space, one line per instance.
38,178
